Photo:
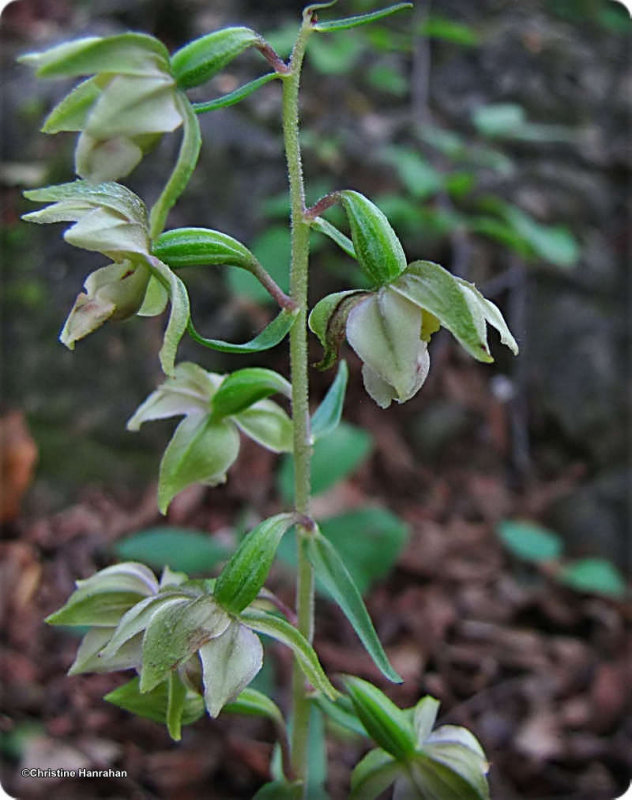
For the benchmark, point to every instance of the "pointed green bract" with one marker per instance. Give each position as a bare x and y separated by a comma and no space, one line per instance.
377,248
332,572
236,96
200,451
361,19
198,61
288,635
197,247
323,226
383,720
246,571
269,337
327,416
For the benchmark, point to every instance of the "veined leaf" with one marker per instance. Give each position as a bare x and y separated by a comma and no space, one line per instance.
288,635
269,337
361,19
332,572
327,416
235,96
344,242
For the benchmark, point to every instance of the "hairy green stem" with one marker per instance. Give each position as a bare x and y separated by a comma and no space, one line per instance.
299,380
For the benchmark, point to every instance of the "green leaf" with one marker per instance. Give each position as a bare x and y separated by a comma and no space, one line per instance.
361,19
498,120
256,704
153,704
198,61
323,226
124,54
529,541
198,247
335,456
369,541
246,571
179,314
593,575
327,416
179,548
269,337
333,574
176,698
373,775
175,632
418,176
277,628
553,243
243,388
378,250
200,451
387,724
437,27
235,96
279,790
186,162
229,662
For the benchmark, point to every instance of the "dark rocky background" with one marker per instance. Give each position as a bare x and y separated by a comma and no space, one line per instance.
539,672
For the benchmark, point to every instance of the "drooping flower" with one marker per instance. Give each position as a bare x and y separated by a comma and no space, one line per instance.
110,219
390,327
122,110
206,443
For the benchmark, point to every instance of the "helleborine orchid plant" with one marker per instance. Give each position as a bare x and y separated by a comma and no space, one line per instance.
194,643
